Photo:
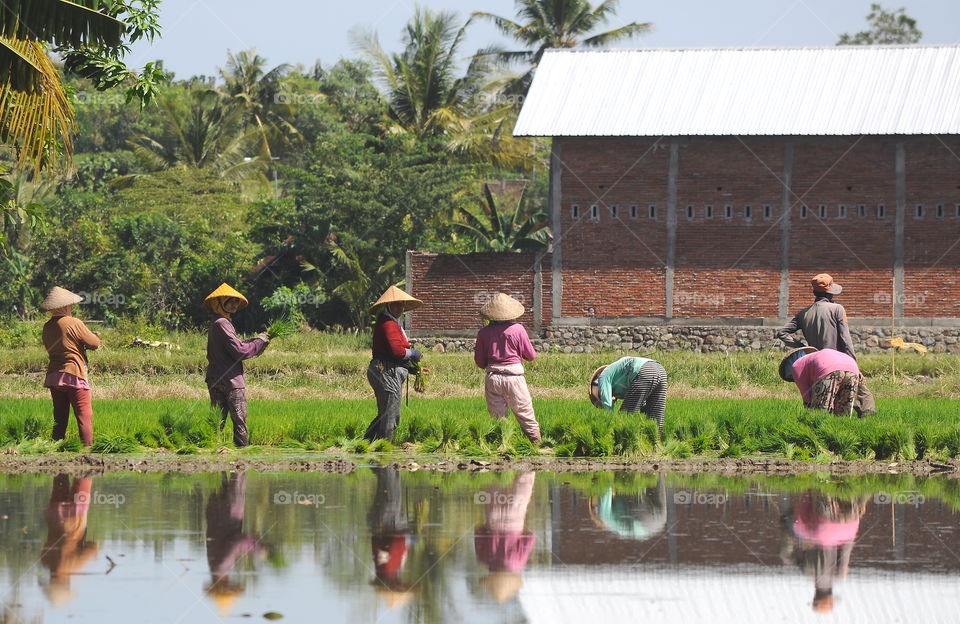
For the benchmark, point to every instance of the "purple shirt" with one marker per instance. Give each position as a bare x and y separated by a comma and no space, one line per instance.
226,352
813,367
502,344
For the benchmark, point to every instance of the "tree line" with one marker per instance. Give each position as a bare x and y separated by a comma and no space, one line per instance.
303,186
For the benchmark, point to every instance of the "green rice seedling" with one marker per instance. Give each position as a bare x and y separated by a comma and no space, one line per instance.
358,446
20,427
567,450
951,441
36,446
677,449
381,446
114,444
281,328
189,449
896,442
290,443
302,431
929,438
451,430
839,439
626,438
732,451
430,445
70,445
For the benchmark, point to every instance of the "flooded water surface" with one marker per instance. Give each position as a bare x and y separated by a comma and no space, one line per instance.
385,546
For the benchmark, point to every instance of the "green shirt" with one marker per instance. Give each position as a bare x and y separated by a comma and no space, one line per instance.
615,379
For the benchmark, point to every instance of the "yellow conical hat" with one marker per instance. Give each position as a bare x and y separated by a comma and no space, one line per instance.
502,307
225,290
502,585
394,294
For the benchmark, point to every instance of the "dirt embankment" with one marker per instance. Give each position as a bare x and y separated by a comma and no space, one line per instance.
99,464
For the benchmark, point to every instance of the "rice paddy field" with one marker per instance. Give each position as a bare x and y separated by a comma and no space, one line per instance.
309,392
904,430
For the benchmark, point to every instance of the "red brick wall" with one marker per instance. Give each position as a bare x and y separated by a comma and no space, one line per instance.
857,251
728,266
453,287
932,244
613,266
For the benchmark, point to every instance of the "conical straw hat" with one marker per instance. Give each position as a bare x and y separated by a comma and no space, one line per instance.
785,362
502,585
594,389
502,307
225,290
60,298
394,294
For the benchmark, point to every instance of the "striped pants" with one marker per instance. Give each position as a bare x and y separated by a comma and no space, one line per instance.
648,393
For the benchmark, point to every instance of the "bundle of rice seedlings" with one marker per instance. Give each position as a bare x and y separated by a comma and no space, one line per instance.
281,327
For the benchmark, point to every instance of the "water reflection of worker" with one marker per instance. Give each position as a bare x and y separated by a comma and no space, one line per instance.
501,542
226,541
66,550
634,516
819,535
390,538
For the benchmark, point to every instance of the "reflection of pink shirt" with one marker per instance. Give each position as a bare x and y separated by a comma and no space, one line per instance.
503,551
502,343
813,367
810,526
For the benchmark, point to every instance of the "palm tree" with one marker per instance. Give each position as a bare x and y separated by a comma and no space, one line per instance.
545,24
492,229
258,94
425,96
36,118
209,135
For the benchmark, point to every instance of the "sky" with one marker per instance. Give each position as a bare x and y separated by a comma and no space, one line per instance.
198,33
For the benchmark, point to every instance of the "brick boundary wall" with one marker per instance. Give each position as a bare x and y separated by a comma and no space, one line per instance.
730,339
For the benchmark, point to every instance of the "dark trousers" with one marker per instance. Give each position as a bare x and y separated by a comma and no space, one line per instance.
386,380
232,401
63,398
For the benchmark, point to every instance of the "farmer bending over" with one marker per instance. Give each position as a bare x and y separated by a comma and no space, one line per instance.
640,382
828,380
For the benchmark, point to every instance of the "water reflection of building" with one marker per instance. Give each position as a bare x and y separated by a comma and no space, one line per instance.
390,539
719,559
226,540
66,550
501,543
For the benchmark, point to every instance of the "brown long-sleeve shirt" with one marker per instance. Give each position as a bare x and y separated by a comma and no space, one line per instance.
824,326
65,339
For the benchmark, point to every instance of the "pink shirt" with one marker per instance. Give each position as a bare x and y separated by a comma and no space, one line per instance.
502,344
813,367
820,530
65,380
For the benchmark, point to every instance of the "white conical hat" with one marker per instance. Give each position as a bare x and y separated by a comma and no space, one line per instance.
392,295
60,298
502,307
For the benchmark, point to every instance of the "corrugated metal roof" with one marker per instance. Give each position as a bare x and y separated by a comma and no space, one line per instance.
840,90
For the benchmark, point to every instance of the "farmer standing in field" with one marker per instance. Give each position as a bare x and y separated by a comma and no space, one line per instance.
824,325
500,350
392,354
66,339
225,355
640,382
828,380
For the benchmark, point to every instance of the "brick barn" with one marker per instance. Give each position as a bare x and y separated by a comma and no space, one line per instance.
706,186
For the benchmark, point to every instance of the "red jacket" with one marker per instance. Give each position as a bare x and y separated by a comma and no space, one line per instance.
388,340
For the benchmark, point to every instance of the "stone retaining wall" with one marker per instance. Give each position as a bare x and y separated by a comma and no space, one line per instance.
700,339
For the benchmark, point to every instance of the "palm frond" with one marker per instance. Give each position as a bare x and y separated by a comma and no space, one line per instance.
37,123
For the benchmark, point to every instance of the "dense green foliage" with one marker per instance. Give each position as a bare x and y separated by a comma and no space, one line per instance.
277,179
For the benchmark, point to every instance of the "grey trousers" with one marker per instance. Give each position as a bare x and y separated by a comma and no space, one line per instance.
232,401
648,393
386,380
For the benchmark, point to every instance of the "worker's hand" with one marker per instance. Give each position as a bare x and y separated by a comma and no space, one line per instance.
414,355
263,336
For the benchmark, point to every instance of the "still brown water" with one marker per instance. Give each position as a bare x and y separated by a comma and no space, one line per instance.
385,546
